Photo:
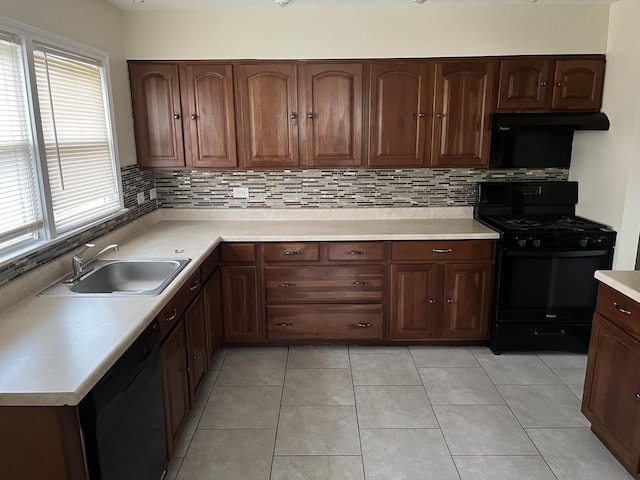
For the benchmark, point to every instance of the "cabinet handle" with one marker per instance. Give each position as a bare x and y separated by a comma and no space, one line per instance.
176,116
439,115
194,116
292,252
195,286
188,369
172,317
543,84
358,252
638,396
311,115
362,283
287,285
194,356
431,301
362,325
550,332
422,115
283,324
621,310
442,250
293,116
450,301
560,84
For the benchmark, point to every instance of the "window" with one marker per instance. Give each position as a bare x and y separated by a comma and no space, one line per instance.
58,169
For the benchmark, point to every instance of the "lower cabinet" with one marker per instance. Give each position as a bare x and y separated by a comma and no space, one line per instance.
240,304
196,330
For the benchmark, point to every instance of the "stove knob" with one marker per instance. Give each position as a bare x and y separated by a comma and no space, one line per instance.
598,240
535,242
521,242
583,242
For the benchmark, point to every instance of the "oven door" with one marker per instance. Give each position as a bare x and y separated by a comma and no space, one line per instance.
555,286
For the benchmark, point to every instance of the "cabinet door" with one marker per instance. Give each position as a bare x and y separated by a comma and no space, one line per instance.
399,114
464,95
268,109
467,301
175,384
578,85
213,313
331,104
210,133
240,304
157,114
196,329
612,388
524,84
416,301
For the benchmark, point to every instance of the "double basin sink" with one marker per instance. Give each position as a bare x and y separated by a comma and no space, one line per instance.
108,278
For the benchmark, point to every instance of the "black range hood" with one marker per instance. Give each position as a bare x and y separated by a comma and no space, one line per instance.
538,140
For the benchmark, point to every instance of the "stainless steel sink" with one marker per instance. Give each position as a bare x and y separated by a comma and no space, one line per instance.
109,278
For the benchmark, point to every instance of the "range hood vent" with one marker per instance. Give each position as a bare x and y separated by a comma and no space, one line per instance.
538,140
550,121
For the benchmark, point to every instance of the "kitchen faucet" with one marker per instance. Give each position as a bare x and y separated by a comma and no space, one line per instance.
79,263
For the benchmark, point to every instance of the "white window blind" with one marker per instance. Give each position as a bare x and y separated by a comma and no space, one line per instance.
20,211
77,145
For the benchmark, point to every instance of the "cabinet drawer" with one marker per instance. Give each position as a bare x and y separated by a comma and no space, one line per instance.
619,308
172,311
444,250
324,284
238,252
326,322
291,252
355,251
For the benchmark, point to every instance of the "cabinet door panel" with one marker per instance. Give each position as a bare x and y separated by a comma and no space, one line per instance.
416,307
212,292
240,304
612,383
209,122
157,114
399,114
332,113
467,301
578,85
267,96
175,384
524,84
195,325
463,98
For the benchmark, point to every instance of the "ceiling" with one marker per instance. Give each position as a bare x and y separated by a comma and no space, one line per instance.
297,4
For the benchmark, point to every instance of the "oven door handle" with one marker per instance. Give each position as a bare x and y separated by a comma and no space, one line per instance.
557,253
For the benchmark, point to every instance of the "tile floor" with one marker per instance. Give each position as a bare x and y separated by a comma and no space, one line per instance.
386,413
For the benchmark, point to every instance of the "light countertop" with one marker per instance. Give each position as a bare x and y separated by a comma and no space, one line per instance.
626,282
53,350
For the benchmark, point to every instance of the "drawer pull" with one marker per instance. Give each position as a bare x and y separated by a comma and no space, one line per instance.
283,324
358,252
362,325
195,286
638,396
450,301
362,283
172,317
194,356
442,250
431,301
621,310
287,285
292,252
550,332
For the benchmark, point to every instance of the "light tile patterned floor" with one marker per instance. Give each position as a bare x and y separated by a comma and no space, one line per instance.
386,413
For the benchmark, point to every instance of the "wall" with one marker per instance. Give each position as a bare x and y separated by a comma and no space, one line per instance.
607,165
411,31
97,24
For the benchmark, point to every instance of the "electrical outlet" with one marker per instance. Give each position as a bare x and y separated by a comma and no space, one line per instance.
240,192
140,198
153,193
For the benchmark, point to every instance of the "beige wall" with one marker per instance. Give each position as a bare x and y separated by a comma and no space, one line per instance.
94,23
607,164
427,30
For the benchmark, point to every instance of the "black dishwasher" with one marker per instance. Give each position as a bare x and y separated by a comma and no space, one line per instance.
122,417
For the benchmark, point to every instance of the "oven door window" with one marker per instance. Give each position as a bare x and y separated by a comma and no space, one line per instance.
548,285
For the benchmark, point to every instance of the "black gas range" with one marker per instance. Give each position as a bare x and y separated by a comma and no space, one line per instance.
545,293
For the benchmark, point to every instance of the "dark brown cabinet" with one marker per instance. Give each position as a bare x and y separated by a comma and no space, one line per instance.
463,102
550,83
195,326
212,292
440,290
611,399
399,114
183,114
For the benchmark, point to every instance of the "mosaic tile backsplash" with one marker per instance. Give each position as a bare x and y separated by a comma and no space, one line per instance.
334,188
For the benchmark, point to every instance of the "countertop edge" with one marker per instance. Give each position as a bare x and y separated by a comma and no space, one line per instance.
626,282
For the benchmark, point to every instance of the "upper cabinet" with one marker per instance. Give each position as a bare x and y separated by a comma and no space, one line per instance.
399,114
544,83
300,115
183,114
464,96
